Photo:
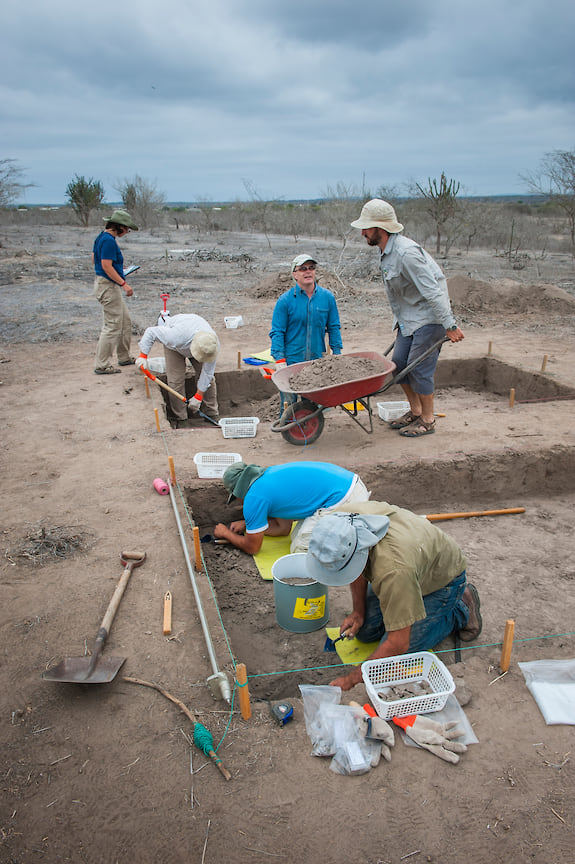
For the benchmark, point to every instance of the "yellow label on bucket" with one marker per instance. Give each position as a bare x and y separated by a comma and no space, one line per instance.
307,608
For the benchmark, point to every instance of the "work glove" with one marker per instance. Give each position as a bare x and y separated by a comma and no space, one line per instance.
280,364
194,404
433,736
142,361
376,728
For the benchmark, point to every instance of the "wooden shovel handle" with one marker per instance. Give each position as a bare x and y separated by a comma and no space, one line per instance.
160,383
119,592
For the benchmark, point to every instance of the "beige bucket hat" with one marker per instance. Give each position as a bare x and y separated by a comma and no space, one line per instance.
204,346
378,214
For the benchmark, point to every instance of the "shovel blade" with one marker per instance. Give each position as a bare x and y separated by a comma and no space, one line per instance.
76,670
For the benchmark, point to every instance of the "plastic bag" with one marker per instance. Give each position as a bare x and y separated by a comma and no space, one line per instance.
552,685
317,724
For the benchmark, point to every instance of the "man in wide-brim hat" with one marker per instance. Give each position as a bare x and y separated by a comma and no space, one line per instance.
408,579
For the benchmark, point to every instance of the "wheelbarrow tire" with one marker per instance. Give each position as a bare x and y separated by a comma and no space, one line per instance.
306,431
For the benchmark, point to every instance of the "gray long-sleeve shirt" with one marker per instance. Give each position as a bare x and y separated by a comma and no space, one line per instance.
177,333
415,284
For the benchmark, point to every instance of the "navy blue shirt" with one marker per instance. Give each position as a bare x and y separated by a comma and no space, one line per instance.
106,248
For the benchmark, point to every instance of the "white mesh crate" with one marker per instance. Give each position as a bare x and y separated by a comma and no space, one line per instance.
380,675
214,464
239,427
389,411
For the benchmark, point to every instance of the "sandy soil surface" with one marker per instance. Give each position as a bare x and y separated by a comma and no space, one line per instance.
107,773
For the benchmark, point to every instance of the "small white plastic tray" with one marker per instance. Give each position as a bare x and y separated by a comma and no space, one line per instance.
215,464
232,322
379,675
239,427
392,410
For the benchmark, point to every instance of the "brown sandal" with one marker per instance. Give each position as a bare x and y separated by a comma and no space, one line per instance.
418,428
405,420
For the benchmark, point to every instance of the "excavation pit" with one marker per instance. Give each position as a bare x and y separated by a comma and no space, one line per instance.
500,552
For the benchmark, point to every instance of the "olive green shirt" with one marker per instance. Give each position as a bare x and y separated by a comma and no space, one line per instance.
414,558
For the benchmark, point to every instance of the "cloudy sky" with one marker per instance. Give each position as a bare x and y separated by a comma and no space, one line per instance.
224,99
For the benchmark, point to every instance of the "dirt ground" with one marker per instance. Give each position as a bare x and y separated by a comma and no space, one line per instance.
107,773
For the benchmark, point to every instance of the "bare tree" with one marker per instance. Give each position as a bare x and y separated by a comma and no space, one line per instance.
11,186
142,200
442,203
555,178
260,206
84,196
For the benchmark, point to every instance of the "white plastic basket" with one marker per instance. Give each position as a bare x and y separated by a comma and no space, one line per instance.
378,675
215,464
392,410
239,427
232,322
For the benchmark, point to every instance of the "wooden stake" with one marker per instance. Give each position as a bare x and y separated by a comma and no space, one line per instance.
167,629
507,645
512,397
544,364
489,349
197,547
239,359
172,470
147,388
159,428
242,678
439,517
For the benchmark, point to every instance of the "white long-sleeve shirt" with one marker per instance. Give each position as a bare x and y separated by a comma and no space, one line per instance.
177,333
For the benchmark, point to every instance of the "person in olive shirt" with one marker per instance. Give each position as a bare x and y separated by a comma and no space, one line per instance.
407,577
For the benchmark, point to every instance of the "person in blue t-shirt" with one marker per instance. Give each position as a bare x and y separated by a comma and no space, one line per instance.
273,498
116,334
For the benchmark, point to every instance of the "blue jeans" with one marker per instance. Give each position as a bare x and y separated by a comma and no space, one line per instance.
445,612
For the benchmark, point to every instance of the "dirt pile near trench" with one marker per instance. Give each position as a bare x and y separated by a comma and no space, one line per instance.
507,295
273,286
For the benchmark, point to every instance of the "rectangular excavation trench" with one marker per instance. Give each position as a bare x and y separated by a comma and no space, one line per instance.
543,481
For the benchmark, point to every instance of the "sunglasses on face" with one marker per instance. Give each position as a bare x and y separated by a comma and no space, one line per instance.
305,267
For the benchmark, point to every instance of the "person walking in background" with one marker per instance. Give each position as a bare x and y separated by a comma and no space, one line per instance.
418,296
190,337
116,334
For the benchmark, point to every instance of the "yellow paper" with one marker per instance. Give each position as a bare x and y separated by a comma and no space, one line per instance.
272,549
351,651
263,355
309,608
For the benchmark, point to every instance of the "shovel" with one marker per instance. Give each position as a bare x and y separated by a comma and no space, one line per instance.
175,393
95,669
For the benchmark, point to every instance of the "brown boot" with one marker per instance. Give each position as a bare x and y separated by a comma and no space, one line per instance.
475,622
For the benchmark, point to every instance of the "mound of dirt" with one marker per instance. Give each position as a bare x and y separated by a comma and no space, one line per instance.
273,286
507,295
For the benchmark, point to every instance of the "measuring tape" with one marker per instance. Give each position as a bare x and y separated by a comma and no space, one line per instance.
282,712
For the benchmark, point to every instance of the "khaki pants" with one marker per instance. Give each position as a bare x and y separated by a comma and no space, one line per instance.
176,372
301,533
116,334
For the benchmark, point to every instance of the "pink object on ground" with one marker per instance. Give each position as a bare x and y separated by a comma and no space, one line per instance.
161,486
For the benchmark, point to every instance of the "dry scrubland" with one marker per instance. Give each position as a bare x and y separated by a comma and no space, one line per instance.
104,773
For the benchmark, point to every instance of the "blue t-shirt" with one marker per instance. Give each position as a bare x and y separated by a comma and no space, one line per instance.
294,491
106,248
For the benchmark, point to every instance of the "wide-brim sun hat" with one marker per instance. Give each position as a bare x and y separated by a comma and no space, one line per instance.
204,346
122,217
378,214
339,546
239,477
301,259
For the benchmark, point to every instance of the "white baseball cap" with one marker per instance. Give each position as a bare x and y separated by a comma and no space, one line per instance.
301,259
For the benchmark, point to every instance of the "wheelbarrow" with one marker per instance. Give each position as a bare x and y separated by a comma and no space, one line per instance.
302,421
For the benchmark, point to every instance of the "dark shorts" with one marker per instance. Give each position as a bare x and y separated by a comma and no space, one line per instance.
409,348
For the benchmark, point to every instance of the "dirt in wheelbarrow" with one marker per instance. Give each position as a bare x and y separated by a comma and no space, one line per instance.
334,370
